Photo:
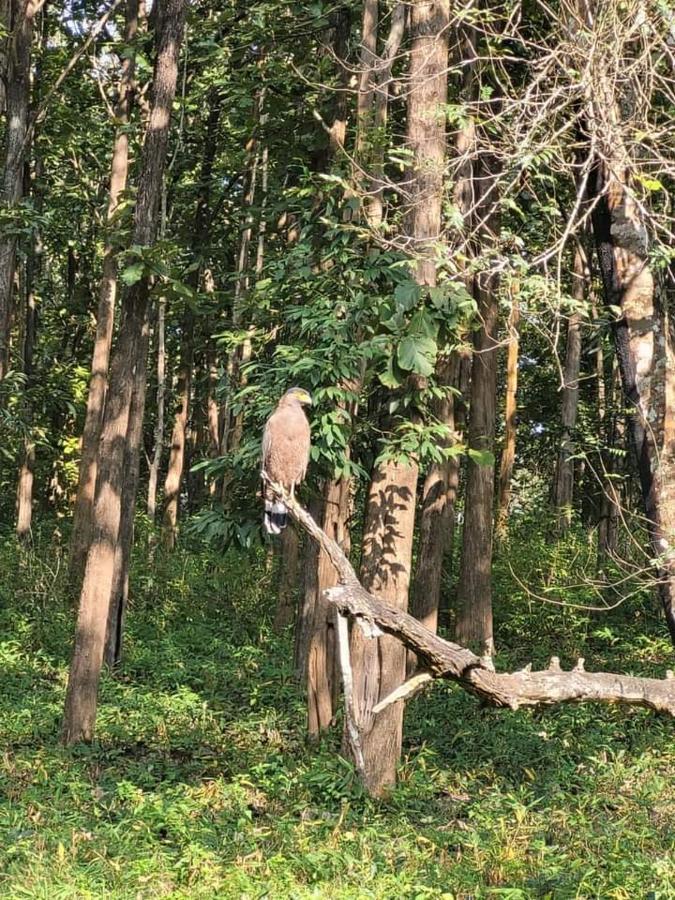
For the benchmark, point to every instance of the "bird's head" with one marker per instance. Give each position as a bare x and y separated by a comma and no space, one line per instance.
298,395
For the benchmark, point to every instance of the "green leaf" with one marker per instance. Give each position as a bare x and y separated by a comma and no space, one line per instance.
417,353
133,273
388,378
481,457
407,295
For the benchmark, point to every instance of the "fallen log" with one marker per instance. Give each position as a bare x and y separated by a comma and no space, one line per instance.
443,659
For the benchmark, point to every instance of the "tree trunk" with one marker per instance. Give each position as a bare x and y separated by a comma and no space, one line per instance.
563,485
98,384
153,477
305,617
478,200
174,475
21,20
379,665
510,422
288,579
24,493
644,345
437,511
212,408
474,590
612,430
373,105
233,425
321,664
127,387
132,457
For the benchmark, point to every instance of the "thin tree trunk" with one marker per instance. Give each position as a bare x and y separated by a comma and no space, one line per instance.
510,422
563,485
82,517
232,425
373,105
174,475
212,408
379,664
128,364
242,355
613,436
159,422
175,472
21,20
24,493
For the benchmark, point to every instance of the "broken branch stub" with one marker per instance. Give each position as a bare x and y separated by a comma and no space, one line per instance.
444,659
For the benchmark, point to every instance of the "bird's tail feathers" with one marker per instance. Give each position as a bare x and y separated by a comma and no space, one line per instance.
275,517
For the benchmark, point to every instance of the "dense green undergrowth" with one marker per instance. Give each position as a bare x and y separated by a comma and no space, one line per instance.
200,783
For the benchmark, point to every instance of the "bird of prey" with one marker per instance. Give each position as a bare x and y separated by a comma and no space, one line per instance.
285,453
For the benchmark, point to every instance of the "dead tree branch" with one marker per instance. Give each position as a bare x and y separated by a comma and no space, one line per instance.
443,659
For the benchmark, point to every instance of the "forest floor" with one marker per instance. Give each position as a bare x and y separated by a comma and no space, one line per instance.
200,783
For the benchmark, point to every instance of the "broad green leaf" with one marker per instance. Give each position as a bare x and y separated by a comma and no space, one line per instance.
417,353
407,295
133,273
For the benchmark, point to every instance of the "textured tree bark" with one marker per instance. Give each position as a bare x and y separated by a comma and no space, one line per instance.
426,130
24,491
128,364
288,578
25,484
510,422
437,511
645,350
305,618
132,456
153,476
474,590
17,100
478,202
174,475
563,485
105,316
379,666
4,52
321,663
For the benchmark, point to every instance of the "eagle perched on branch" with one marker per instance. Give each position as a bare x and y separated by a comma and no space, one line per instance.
285,453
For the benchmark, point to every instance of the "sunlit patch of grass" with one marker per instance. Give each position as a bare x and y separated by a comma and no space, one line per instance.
200,783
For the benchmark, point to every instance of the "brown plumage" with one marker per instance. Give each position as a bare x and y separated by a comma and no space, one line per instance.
285,453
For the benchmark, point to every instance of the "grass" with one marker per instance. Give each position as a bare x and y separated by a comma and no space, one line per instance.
200,783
